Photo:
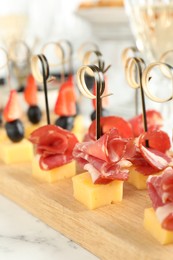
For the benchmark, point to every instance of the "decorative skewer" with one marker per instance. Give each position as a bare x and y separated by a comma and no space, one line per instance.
42,77
85,47
165,58
134,67
100,86
64,109
146,77
99,61
131,52
59,53
101,65
69,53
19,55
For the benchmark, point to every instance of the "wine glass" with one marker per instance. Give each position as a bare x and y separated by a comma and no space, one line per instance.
152,25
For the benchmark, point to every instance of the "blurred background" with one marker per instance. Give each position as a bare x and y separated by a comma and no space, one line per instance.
37,22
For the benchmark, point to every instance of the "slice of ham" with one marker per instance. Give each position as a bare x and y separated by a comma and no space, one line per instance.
160,190
152,159
154,122
54,146
104,158
157,140
109,122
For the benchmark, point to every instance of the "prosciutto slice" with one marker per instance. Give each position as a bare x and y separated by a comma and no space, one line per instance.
160,190
105,159
154,122
54,146
109,122
150,160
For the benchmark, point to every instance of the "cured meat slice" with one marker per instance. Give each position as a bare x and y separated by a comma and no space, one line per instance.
155,158
154,121
157,140
104,158
150,160
160,190
109,122
54,146
159,143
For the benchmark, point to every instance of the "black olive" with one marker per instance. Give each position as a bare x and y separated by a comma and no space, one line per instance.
104,112
15,130
34,114
2,81
20,88
65,122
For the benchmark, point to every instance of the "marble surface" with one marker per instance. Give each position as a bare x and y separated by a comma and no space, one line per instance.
23,236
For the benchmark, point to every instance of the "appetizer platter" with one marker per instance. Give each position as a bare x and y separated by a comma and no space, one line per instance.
110,190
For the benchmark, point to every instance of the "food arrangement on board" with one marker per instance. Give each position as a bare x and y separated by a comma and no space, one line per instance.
112,152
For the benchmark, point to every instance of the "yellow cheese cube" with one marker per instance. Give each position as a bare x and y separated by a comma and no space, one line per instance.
96,195
29,128
78,124
16,152
153,226
3,135
78,129
137,179
65,171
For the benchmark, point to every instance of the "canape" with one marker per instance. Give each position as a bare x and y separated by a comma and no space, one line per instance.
14,148
53,158
105,170
149,158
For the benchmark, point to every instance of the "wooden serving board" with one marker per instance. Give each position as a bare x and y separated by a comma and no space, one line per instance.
111,232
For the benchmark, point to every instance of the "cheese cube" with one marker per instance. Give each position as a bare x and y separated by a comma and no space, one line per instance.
65,171
96,195
3,134
78,124
137,179
78,129
11,152
29,128
153,226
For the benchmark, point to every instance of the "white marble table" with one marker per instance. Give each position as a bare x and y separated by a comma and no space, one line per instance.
23,236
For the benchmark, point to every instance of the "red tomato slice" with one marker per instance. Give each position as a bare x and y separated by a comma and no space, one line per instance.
30,92
109,122
12,110
66,101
